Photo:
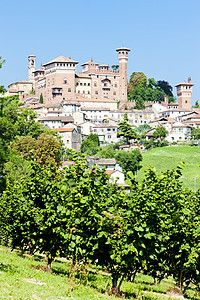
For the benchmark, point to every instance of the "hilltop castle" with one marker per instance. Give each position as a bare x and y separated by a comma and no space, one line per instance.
57,80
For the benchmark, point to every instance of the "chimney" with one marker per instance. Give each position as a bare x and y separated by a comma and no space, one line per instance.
189,79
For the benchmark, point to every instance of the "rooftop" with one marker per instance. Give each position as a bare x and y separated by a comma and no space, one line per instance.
61,59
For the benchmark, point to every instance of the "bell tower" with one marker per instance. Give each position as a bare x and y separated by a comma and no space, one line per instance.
31,68
123,59
184,93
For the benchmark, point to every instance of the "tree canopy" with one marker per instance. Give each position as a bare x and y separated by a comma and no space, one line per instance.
126,131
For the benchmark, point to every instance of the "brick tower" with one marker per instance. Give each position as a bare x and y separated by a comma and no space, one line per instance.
123,59
184,93
31,68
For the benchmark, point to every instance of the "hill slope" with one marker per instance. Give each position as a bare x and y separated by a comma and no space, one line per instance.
169,157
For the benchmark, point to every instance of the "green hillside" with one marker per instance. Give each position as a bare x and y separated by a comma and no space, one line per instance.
169,157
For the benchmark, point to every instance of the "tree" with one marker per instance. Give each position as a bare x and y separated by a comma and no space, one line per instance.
196,104
129,160
45,149
160,133
167,88
135,79
90,145
125,130
41,98
115,67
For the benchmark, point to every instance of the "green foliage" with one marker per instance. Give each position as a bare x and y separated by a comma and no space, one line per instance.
90,145
129,160
149,90
135,79
160,133
126,131
195,133
115,67
196,104
45,149
16,122
41,98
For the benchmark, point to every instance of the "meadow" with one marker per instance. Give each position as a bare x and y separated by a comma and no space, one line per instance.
166,158
26,278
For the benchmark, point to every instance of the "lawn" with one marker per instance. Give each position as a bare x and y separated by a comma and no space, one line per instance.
25,278
169,157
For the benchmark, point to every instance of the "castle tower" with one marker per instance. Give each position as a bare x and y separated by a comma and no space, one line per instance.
31,68
123,59
184,93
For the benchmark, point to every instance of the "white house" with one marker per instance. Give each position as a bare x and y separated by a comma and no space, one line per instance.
107,133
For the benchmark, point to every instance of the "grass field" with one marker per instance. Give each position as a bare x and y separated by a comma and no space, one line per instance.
25,278
169,157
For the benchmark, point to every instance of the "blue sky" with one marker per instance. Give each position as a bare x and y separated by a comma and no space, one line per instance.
163,36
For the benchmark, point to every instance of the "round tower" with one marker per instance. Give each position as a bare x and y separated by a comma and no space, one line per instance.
31,68
123,59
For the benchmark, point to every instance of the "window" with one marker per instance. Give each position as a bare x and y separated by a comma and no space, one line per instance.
69,90
109,136
78,92
65,81
95,84
81,83
83,92
88,84
84,83
76,83
88,92
96,92
105,84
115,84
114,93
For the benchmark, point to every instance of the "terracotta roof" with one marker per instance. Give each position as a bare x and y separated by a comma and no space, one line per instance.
82,75
171,104
123,48
106,161
61,59
175,109
55,111
12,91
63,129
132,111
62,119
95,108
50,105
184,83
89,63
109,172
105,125
68,162
71,103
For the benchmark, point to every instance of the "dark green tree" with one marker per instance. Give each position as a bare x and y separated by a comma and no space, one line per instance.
126,131
41,98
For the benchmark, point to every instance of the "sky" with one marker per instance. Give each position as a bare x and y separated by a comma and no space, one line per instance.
163,36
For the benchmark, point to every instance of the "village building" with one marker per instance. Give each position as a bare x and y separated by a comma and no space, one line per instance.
107,133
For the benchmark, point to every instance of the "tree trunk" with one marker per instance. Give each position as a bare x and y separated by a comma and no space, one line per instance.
120,283
114,281
49,261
